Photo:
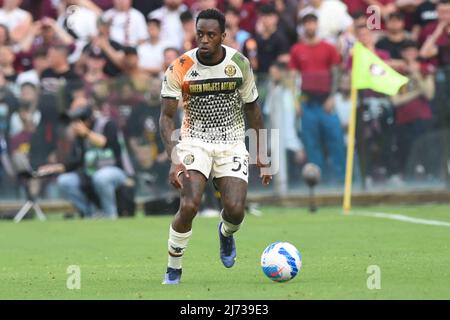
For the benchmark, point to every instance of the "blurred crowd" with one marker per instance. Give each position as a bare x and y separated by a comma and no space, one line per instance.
58,55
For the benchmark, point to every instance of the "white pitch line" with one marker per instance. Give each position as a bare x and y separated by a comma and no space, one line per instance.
401,217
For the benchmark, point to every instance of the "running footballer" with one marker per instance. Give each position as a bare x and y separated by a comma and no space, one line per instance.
216,85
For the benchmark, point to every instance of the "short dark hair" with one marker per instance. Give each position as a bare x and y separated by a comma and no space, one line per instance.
129,50
61,48
396,15
213,14
308,17
186,16
155,21
171,49
267,9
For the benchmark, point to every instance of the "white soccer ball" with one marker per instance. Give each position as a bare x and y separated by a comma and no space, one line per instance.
281,261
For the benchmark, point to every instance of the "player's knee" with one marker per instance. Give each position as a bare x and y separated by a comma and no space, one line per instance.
234,209
190,206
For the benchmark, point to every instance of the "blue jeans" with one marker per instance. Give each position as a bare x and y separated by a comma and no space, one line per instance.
320,127
105,182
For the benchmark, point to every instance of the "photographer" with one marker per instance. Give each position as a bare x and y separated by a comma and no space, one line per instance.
94,168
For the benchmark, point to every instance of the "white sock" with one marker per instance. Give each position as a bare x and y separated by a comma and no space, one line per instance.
228,228
177,244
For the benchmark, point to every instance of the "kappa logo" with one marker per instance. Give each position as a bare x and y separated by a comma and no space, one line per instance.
177,249
194,73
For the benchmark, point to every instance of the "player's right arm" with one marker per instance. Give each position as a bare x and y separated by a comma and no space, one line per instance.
167,128
171,94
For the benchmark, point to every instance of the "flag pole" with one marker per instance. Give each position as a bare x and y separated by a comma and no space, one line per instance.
350,151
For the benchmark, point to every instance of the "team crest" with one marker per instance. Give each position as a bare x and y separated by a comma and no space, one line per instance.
230,70
189,159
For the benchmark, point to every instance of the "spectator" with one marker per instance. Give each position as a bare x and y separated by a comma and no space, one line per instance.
425,12
443,18
394,39
269,44
408,9
8,105
230,38
110,48
232,17
171,27
60,76
44,34
151,52
23,124
317,61
187,20
94,170
39,63
94,74
348,38
128,25
27,117
437,44
7,65
280,106
130,89
413,111
131,70
145,143
286,10
333,18
437,50
343,103
248,13
170,54
17,20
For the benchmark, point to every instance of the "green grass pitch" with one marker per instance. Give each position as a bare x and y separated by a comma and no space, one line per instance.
126,259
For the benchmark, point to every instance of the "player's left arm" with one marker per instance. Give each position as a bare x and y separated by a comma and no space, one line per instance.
253,114
255,121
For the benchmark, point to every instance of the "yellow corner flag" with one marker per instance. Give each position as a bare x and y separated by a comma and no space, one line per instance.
368,72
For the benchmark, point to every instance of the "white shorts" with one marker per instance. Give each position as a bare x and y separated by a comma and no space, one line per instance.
215,159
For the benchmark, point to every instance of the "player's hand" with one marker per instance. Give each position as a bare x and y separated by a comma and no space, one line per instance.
176,170
264,174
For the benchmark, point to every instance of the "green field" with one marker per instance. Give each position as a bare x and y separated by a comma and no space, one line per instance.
126,259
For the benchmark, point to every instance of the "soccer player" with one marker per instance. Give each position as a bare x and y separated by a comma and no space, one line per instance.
218,91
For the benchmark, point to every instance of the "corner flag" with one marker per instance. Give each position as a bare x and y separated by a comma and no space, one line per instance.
370,72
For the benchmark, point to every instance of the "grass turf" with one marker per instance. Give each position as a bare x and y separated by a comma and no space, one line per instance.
126,259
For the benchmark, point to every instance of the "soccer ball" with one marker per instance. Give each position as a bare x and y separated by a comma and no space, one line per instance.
281,261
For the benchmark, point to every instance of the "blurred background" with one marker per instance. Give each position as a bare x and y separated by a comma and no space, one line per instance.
58,55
